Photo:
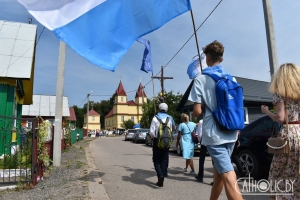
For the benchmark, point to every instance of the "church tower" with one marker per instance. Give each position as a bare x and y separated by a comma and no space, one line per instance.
140,98
120,93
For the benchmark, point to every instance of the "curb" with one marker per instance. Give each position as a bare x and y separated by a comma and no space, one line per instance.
95,184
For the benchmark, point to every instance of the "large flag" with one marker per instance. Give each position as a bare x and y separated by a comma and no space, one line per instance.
147,58
103,30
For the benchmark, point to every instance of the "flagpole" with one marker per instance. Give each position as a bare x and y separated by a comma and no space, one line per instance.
153,94
195,33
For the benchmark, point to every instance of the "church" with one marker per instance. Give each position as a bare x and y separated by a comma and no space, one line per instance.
124,109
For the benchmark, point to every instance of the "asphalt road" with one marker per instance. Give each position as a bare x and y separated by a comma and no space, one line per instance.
127,172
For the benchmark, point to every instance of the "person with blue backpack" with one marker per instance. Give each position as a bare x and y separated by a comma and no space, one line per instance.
161,129
219,98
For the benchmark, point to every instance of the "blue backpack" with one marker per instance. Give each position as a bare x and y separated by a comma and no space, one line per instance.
229,114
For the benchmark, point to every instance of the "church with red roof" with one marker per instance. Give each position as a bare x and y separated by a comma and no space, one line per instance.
125,109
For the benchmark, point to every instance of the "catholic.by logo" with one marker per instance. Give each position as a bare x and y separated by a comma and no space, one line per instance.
250,186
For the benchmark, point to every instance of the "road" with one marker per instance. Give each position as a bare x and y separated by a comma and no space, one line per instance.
127,172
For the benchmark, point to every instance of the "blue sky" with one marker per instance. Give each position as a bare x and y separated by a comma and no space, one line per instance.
239,25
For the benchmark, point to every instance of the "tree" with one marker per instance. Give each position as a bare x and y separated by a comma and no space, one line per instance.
149,111
128,124
79,116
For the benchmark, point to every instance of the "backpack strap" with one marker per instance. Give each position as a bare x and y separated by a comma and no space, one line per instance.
160,121
216,77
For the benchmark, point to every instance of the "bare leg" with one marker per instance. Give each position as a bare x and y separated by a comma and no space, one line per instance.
186,163
227,179
217,186
192,164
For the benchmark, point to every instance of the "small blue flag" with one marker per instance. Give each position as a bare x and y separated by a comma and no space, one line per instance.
147,59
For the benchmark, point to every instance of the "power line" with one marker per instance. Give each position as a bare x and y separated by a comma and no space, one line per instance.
40,35
187,40
82,101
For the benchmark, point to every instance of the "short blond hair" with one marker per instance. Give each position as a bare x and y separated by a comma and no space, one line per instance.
184,117
286,82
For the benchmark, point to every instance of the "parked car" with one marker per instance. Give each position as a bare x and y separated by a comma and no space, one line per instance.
253,151
130,134
149,139
179,149
140,135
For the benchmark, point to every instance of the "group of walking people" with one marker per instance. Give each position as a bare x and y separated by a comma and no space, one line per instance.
220,144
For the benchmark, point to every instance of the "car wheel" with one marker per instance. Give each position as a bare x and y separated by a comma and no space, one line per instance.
135,140
249,163
179,151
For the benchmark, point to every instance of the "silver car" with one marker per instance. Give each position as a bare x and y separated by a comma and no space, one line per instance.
130,134
140,135
179,149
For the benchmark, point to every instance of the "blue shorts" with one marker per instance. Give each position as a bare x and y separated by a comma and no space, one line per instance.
220,155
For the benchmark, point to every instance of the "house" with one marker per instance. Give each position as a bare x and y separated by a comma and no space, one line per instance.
72,119
93,120
17,55
255,94
124,110
44,106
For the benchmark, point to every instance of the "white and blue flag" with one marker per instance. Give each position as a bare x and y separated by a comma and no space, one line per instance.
103,30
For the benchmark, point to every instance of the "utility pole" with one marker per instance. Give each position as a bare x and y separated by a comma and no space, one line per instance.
88,110
59,104
270,36
162,78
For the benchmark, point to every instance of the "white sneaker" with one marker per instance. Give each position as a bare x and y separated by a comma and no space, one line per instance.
185,169
192,173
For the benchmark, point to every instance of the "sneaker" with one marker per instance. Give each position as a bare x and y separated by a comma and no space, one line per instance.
185,169
200,179
192,173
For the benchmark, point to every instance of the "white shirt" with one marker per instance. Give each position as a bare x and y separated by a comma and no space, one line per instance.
155,125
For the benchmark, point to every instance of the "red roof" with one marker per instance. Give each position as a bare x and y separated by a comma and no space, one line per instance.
92,113
140,92
131,103
72,115
120,91
111,113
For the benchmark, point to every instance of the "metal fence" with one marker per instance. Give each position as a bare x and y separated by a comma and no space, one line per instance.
18,151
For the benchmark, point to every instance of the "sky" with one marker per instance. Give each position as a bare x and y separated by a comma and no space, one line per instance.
239,25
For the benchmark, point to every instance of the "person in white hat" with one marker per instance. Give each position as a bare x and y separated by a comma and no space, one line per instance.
160,156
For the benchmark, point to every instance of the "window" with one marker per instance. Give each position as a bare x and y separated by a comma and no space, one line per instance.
268,126
246,118
132,118
122,118
259,126
93,118
121,98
